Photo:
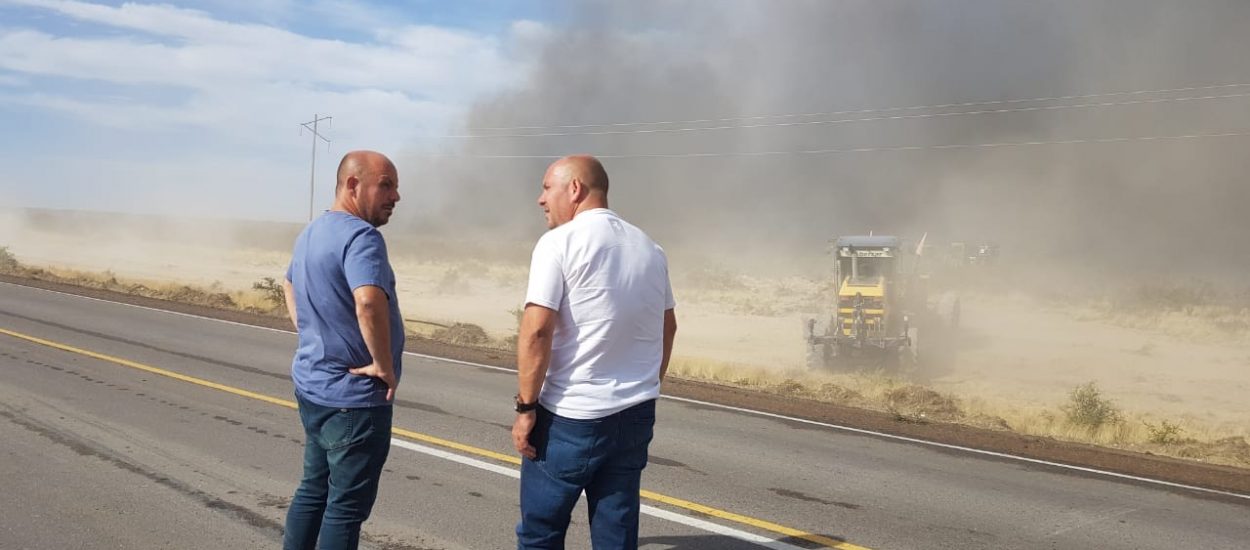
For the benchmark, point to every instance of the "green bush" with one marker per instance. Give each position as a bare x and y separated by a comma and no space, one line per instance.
8,262
1166,433
1088,408
272,290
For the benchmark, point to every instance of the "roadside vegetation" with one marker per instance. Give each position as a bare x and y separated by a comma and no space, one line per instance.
8,262
215,295
1088,415
272,291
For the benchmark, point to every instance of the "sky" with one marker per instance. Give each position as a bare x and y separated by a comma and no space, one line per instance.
194,108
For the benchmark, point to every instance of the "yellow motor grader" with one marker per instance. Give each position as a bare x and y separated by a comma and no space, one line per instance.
882,302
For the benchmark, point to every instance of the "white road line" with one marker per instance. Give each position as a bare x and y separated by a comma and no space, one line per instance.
646,509
158,310
459,362
718,529
738,409
467,461
964,449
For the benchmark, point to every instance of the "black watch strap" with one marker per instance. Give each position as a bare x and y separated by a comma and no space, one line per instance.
524,407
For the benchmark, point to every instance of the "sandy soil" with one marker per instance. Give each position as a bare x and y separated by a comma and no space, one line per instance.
1015,352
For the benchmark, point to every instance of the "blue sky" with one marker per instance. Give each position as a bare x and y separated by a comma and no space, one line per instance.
193,108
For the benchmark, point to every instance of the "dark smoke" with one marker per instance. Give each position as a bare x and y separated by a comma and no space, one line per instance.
1174,205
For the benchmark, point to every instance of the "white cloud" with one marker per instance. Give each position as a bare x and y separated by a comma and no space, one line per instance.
527,30
157,19
194,92
213,59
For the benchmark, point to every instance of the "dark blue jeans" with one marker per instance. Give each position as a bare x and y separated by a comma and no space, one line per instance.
603,457
344,450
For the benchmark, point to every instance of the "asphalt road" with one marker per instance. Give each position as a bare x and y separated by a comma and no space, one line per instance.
114,437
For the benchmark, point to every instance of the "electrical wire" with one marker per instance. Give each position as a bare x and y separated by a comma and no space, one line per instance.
864,149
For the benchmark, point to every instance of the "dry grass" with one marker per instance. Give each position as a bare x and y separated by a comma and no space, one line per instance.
1185,438
252,300
264,297
462,334
8,262
872,390
1188,439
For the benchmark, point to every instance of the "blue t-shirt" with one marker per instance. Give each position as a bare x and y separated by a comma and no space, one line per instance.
336,254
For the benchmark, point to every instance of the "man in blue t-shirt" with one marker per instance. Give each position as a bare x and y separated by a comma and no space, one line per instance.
340,293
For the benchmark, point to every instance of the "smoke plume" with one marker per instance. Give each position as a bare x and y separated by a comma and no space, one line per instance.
1125,206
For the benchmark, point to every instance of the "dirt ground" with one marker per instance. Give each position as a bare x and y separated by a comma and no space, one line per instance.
1018,350
1016,353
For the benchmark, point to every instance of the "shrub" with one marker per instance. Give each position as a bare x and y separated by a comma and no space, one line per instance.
1166,433
923,401
272,290
1088,408
465,334
8,262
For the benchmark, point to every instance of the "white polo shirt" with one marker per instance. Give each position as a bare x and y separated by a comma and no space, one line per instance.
608,281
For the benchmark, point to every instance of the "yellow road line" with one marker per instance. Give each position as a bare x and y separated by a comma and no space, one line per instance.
758,523
457,446
649,495
154,370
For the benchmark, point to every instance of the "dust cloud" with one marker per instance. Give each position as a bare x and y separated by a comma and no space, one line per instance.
1115,221
1170,205
1076,190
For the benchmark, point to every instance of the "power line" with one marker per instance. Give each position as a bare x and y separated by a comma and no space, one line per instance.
858,111
850,120
867,149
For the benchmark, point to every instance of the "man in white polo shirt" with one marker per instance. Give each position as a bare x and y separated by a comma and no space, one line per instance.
594,344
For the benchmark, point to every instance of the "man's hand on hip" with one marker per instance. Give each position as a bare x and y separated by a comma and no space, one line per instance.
521,434
386,375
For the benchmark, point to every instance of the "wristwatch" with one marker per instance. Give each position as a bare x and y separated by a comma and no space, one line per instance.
522,407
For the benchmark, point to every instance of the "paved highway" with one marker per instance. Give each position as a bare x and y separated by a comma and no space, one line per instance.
127,427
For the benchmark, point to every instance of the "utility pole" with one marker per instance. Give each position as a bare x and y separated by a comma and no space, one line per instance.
311,126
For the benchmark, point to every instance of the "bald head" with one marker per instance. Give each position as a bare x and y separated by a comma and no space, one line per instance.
358,164
367,187
573,185
584,168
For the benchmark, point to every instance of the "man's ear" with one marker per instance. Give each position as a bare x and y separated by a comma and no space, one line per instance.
352,183
578,190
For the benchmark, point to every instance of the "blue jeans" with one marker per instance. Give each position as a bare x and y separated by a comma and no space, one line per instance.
603,457
344,450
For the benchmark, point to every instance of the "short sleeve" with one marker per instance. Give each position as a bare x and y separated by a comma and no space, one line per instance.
669,301
365,262
546,284
290,268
